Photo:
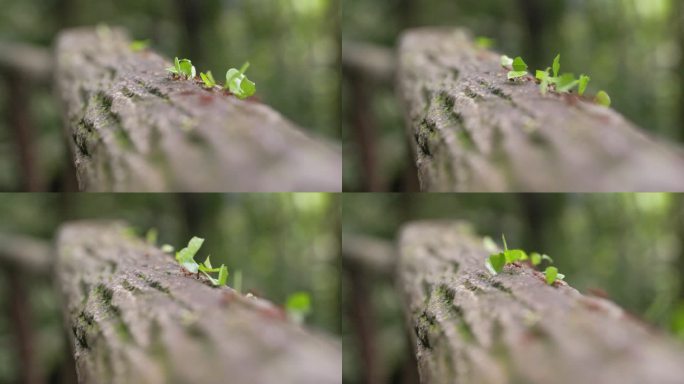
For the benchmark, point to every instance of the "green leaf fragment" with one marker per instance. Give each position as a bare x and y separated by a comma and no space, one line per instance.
187,69
223,275
176,67
513,255
167,248
506,61
151,236
484,42
551,275
556,65
547,258
186,255
566,82
603,99
519,64
208,79
298,306
495,263
516,74
489,244
535,258
139,45
583,82
238,84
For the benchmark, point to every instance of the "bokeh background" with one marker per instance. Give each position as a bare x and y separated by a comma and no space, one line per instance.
628,247
634,49
282,243
293,47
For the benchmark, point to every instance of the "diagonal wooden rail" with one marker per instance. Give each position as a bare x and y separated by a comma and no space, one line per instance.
471,327
134,317
133,128
473,130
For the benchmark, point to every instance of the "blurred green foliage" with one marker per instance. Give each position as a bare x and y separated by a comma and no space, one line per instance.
281,243
633,49
292,45
630,246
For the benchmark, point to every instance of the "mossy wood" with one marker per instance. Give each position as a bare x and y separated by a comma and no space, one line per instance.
134,317
133,128
468,326
471,129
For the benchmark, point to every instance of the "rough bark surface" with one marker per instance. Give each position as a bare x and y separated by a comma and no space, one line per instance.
473,130
134,128
471,327
134,317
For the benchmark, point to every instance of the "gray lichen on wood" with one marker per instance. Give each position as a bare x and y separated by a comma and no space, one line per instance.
473,130
134,128
134,317
471,327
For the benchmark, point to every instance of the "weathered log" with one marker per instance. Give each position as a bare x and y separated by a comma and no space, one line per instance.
473,130
471,327
132,127
134,317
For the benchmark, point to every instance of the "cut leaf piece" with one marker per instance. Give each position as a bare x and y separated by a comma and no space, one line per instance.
551,274
602,98
556,65
583,82
495,263
223,275
506,61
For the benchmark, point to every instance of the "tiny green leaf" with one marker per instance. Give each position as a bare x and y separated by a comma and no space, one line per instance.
506,61
223,275
516,74
151,236
176,67
495,263
551,274
167,248
535,258
187,69
603,99
298,306
489,244
503,238
566,82
547,258
583,81
238,84
484,42
139,45
186,255
208,79
556,65
519,64
513,255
